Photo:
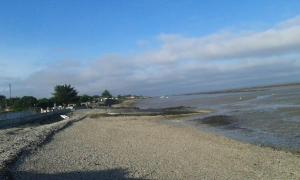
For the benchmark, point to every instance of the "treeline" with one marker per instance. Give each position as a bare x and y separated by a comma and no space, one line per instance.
18,103
63,95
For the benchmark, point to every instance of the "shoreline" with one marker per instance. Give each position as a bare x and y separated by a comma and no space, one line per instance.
159,121
146,147
233,127
228,126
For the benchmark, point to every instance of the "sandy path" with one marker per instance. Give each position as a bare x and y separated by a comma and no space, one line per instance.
143,148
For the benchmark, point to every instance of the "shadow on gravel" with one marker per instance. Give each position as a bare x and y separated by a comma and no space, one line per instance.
76,175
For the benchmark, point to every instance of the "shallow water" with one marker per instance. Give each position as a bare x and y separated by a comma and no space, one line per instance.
268,117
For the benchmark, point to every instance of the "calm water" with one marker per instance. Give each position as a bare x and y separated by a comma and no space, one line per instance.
269,117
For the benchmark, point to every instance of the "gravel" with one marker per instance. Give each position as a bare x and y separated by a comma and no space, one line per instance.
142,147
18,141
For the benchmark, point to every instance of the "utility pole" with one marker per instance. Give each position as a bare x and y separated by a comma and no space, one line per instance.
9,91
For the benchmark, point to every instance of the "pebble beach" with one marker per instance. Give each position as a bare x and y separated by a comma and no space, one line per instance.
144,147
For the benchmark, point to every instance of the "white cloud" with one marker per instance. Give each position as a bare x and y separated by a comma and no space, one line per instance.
280,39
181,64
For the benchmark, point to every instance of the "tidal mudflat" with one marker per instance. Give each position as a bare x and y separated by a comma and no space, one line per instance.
265,116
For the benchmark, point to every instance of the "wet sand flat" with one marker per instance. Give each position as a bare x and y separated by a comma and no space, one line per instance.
141,147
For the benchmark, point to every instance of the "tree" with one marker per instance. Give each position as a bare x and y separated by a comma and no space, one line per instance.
65,94
85,98
12,100
28,102
44,103
106,94
24,103
2,102
2,98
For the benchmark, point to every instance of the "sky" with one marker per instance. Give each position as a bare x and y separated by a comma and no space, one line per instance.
147,47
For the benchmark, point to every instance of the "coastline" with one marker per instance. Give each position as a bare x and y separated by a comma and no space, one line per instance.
149,144
145,147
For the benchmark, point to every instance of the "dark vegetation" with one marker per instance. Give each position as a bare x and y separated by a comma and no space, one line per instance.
174,111
218,120
63,95
106,94
18,104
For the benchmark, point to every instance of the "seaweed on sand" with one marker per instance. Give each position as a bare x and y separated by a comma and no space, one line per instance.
218,120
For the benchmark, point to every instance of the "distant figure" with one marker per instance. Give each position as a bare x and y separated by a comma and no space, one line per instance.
241,98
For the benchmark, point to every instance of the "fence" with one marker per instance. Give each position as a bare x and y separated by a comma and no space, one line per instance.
19,118
16,115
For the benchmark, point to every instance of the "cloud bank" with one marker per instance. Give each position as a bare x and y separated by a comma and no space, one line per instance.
181,64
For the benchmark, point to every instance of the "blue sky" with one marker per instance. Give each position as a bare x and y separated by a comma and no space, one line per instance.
146,47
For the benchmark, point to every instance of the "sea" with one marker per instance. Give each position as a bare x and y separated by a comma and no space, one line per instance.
264,116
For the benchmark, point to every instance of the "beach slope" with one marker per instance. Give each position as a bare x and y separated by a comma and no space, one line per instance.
143,147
